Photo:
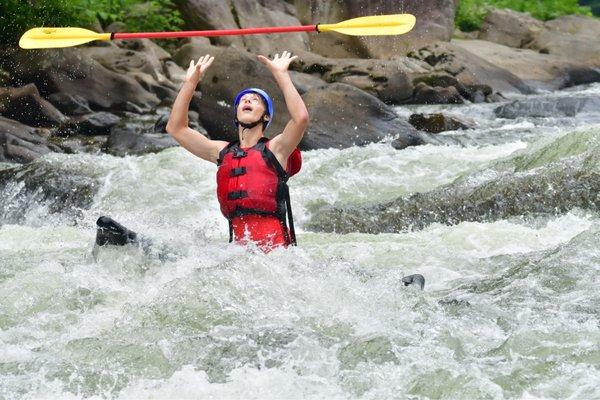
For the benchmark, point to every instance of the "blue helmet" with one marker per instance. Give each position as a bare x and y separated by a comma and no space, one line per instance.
266,98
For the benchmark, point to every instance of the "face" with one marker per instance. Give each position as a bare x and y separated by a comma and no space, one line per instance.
250,108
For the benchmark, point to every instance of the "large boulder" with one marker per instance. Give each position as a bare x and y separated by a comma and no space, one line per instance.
581,50
435,22
510,28
540,71
343,116
234,14
73,71
389,80
25,105
21,143
469,69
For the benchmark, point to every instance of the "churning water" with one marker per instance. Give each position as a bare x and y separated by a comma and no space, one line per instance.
511,307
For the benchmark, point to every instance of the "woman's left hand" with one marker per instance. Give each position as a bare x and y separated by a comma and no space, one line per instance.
278,64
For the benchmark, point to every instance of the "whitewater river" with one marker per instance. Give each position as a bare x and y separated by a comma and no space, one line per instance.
511,307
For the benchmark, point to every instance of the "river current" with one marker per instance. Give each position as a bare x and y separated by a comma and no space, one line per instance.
511,307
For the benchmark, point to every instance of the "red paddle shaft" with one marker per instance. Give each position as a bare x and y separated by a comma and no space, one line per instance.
222,32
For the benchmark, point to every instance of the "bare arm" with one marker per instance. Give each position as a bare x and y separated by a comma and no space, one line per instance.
177,126
282,145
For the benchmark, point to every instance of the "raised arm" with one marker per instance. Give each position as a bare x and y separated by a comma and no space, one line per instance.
177,126
282,145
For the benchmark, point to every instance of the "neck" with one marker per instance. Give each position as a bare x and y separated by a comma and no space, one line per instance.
249,137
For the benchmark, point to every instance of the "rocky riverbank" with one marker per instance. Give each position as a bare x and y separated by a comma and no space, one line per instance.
115,97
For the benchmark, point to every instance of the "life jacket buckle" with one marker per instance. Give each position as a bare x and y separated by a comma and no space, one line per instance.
239,153
237,171
239,194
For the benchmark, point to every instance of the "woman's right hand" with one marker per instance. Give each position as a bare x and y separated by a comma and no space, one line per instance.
195,71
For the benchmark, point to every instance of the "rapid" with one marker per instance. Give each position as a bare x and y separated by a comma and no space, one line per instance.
510,309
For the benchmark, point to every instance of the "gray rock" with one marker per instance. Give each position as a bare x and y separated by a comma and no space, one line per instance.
73,71
70,104
541,71
99,123
25,105
390,80
565,106
425,94
127,139
344,116
435,21
470,69
233,14
510,28
21,143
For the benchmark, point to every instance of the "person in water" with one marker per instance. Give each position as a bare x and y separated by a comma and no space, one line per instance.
252,171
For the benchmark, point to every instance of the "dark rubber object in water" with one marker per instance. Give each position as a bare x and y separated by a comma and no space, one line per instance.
109,231
416,279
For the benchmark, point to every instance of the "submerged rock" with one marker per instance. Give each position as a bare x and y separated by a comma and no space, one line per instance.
48,182
553,180
565,106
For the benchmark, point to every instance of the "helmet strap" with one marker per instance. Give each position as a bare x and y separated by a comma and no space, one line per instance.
251,125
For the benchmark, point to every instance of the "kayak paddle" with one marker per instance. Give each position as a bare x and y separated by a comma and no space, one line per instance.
45,38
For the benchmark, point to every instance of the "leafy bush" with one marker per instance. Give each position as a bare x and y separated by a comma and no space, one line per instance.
470,13
16,16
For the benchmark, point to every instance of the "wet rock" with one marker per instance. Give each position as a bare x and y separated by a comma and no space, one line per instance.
99,123
344,116
565,106
553,180
73,71
60,187
128,139
25,105
70,104
436,123
21,143
510,28
425,94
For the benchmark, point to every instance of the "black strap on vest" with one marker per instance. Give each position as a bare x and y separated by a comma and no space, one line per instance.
284,205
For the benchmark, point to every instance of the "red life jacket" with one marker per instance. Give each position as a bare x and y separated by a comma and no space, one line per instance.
252,181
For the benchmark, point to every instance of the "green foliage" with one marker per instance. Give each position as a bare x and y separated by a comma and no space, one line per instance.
16,16
470,13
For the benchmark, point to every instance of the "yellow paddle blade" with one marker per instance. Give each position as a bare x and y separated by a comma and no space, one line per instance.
395,24
47,38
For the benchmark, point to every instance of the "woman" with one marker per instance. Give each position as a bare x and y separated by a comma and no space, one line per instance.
251,179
